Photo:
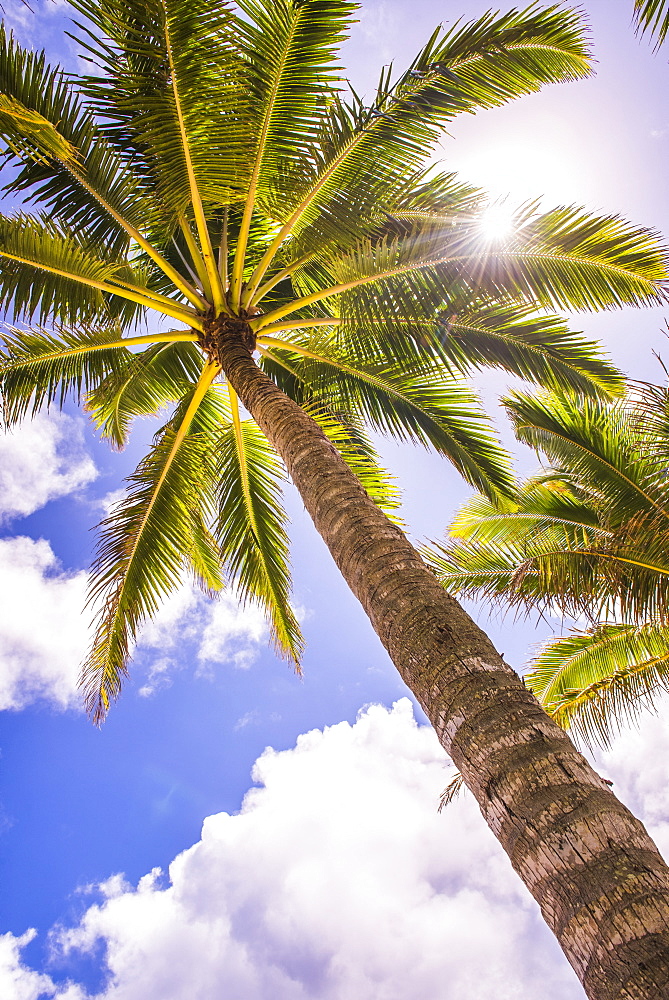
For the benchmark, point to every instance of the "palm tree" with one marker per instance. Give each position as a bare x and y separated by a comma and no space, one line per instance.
211,170
588,536
652,16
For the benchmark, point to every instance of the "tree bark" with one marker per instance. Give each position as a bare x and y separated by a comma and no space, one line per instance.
601,883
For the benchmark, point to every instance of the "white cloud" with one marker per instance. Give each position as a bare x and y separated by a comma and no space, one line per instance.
338,880
45,630
18,982
40,460
225,631
637,765
43,627
233,633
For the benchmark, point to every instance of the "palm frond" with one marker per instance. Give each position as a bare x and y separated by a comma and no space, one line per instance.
141,386
291,76
596,442
38,368
540,349
570,259
74,276
56,143
169,88
147,543
594,682
425,405
652,16
480,64
250,527
76,281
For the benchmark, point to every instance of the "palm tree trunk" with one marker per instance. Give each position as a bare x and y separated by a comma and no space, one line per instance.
601,883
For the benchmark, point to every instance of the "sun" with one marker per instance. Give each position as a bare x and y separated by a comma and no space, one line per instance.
497,221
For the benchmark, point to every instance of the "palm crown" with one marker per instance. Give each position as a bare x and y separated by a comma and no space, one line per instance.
588,536
212,173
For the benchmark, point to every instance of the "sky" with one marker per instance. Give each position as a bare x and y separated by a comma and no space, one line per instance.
233,830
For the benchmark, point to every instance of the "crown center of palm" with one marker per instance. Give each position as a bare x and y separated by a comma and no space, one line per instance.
223,331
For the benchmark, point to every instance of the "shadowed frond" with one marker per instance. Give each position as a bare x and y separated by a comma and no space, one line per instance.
652,16
425,405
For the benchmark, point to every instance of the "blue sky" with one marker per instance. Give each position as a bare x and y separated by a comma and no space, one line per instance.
335,876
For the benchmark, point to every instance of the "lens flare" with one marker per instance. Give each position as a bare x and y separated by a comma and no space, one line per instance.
497,222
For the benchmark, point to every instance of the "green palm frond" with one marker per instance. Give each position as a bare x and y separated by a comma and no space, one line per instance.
19,123
568,258
535,347
533,567
425,405
162,61
75,279
480,64
38,368
652,16
594,682
57,143
597,443
250,527
149,541
291,76
588,536
141,386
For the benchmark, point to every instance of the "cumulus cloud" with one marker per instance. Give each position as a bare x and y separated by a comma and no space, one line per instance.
43,629
40,460
338,880
18,982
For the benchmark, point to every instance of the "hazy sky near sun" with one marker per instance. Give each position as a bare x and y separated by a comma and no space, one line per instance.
232,830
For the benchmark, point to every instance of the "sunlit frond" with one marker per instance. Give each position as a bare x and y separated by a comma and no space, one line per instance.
480,64
250,527
141,386
56,143
291,75
141,99
148,542
595,682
